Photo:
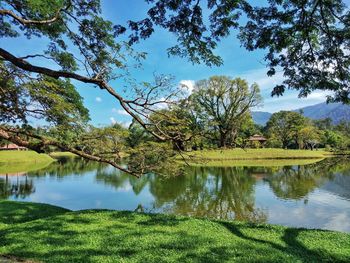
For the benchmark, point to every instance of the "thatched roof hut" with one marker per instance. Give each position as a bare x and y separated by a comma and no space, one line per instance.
257,138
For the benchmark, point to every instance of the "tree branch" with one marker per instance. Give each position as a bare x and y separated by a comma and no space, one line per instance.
102,84
25,21
10,134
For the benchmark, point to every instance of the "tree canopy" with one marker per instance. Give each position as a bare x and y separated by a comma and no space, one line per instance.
308,40
224,104
284,127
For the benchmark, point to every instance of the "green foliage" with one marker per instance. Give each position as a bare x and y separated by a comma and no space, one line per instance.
107,141
137,135
106,236
309,137
92,35
153,157
334,139
303,38
180,123
284,126
308,40
54,100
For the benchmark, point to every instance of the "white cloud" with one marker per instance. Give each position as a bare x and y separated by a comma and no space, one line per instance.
289,101
339,222
126,124
318,95
113,121
187,85
98,99
260,77
120,111
161,105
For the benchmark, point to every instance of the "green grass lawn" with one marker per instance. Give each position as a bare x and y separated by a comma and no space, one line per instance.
50,234
249,154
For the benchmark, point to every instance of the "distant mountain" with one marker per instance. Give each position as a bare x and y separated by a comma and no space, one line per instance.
335,111
261,117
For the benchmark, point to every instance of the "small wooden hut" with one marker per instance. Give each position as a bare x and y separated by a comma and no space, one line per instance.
257,140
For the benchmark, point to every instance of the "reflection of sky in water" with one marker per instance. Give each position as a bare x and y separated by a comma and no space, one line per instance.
321,210
316,196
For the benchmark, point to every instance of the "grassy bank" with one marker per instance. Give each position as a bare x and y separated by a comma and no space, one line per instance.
23,156
51,234
22,161
256,154
252,162
12,162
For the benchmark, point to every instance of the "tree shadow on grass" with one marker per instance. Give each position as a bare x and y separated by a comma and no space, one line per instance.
111,236
92,236
20,212
293,245
162,220
290,237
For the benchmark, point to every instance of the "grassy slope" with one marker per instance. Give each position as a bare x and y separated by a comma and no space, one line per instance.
23,156
22,161
111,236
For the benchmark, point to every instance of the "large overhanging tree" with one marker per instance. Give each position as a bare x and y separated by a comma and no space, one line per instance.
307,39
82,46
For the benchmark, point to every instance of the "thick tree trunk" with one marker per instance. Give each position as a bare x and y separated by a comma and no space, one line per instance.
223,140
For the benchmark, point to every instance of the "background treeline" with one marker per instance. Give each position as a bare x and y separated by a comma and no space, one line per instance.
216,114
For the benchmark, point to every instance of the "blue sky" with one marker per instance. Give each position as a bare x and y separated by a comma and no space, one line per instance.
237,63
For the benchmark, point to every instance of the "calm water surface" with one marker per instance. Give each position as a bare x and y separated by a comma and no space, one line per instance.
311,196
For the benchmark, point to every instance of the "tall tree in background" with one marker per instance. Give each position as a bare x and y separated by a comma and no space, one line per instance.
309,137
224,103
284,126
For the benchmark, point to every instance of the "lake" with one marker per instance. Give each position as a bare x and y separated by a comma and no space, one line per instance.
311,196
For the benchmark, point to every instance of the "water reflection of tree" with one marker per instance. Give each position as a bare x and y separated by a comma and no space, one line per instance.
67,167
21,186
224,193
296,182
112,177
16,186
